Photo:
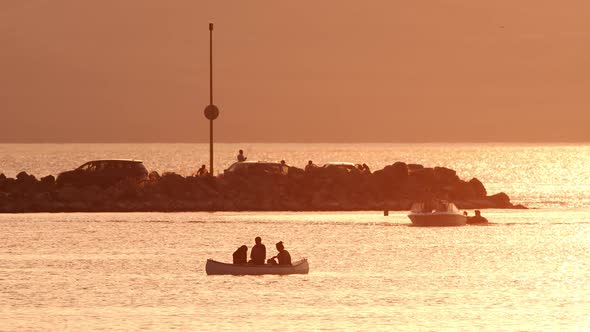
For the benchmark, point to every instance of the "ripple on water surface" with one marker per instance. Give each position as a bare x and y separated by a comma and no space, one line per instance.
526,271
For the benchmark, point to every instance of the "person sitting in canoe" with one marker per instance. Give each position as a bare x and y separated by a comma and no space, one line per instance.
258,252
283,256
241,255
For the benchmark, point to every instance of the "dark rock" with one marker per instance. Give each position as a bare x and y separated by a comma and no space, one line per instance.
395,187
24,179
458,190
67,194
295,172
173,184
424,175
2,182
414,167
398,171
23,176
23,183
501,200
153,176
445,175
478,188
48,180
47,183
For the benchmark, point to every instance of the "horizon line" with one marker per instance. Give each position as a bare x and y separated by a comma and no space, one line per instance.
308,142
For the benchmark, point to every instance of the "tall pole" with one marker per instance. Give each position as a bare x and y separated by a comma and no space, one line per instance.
211,97
211,111
210,63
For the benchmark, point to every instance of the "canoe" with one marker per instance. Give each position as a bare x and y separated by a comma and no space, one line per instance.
217,268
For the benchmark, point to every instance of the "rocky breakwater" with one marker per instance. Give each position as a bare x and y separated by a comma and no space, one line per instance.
395,187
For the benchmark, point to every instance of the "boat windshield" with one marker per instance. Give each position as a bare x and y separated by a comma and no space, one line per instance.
435,206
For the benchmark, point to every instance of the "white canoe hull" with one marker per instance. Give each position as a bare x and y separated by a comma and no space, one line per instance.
217,268
437,219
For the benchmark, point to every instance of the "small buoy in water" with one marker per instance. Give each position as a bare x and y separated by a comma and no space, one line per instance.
386,212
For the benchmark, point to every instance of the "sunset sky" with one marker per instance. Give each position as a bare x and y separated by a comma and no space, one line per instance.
295,71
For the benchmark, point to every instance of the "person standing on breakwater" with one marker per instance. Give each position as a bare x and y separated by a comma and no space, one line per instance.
241,255
202,171
241,156
310,166
258,252
283,256
284,167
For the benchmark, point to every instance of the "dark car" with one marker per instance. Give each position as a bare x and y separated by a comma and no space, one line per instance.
256,168
104,173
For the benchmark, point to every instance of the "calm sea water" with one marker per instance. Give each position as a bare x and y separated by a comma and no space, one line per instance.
536,175
527,271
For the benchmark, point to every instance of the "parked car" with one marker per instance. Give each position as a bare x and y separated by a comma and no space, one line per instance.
347,167
256,168
104,173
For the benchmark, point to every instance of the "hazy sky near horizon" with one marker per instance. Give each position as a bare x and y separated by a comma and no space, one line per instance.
295,71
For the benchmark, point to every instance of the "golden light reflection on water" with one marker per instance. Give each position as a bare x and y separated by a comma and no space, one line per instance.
528,270
551,176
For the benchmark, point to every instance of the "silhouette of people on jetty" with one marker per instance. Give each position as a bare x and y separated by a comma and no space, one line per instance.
202,171
310,166
284,166
241,156
358,168
258,252
283,257
241,255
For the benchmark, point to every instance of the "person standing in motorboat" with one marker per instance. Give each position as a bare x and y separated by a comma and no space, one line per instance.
258,252
241,255
283,257
477,219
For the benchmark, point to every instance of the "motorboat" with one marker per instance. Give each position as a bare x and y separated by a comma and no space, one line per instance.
218,268
436,214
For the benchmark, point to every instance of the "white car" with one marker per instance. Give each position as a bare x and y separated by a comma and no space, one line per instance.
349,167
256,168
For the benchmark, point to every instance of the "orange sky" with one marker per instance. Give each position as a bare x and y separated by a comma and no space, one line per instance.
295,71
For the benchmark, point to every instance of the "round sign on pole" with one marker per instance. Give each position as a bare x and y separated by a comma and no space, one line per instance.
211,112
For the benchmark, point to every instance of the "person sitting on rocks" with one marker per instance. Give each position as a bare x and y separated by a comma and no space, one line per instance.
310,166
283,257
241,156
258,252
284,167
202,171
241,255
366,169
477,219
